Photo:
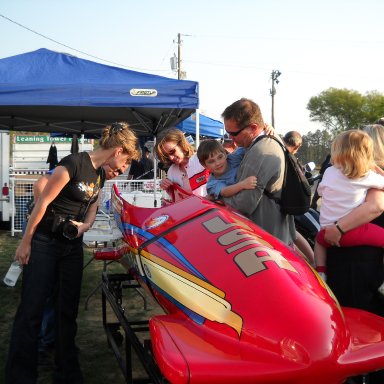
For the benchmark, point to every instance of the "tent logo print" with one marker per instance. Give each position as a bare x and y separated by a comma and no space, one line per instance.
143,92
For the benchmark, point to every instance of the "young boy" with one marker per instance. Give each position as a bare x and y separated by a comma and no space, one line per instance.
223,169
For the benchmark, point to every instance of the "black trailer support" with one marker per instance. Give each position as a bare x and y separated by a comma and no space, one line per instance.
112,293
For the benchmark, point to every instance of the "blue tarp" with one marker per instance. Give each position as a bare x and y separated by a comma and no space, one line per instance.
47,91
208,127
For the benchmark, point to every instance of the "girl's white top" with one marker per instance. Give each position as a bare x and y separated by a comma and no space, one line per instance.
340,195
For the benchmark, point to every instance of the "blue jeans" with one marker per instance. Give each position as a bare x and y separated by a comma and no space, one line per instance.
54,263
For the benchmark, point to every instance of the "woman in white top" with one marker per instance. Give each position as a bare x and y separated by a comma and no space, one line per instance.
175,151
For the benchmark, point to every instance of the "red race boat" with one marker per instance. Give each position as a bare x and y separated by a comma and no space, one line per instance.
241,307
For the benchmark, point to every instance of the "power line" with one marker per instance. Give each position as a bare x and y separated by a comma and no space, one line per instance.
286,38
256,67
77,50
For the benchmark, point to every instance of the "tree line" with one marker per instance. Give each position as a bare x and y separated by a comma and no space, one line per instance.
338,110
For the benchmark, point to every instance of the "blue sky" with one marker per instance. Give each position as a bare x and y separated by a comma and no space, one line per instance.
229,47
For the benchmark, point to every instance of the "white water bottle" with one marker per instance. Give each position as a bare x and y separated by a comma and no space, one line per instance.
13,274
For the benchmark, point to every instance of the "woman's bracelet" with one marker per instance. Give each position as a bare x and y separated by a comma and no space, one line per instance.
339,229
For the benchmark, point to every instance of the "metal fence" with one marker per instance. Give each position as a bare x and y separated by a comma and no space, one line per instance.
137,192
21,194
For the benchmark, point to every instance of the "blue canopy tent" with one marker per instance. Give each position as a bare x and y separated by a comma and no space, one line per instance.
207,126
47,91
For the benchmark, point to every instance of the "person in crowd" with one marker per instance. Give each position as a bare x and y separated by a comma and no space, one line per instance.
52,255
223,168
293,141
147,165
344,187
47,331
324,165
266,161
135,170
175,152
355,273
142,169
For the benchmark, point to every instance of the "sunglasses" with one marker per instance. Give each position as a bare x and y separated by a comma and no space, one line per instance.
234,134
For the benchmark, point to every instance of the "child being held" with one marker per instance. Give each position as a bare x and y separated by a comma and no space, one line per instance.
223,168
344,186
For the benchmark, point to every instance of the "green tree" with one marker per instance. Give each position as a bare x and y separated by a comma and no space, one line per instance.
342,109
374,106
315,147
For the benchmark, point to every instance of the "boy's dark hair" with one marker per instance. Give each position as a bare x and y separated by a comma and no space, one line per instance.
207,148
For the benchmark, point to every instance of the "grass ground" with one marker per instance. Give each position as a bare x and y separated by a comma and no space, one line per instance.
97,359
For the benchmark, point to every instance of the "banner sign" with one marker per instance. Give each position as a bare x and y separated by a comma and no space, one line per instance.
46,139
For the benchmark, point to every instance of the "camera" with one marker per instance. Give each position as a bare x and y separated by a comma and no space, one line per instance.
65,226
70,230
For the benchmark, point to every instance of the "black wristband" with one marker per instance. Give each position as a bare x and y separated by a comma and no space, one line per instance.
339,229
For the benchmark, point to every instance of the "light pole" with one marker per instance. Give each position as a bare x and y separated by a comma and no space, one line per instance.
275,74
179,56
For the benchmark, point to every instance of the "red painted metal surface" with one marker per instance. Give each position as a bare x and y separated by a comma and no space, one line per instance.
241,306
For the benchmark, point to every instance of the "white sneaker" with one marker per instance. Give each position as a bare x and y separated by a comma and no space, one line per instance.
381,289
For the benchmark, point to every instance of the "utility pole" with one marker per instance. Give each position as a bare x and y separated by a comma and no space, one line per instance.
275,74
176,61
179,56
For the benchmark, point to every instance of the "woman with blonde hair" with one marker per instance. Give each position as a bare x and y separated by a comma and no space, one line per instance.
355,274
173,150
376,132
344,187
51,252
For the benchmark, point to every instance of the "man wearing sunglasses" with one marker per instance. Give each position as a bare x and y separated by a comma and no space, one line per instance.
264,159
